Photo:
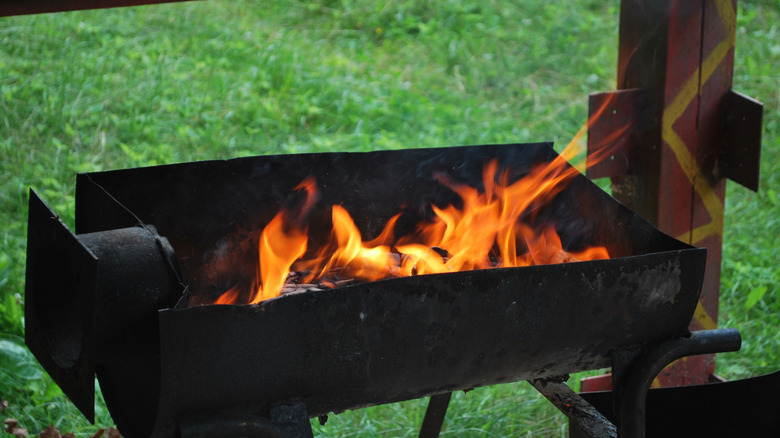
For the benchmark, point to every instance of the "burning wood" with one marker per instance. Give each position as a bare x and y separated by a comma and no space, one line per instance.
331,280
493,227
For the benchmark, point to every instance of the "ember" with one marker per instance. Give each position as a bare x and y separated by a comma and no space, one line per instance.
494,227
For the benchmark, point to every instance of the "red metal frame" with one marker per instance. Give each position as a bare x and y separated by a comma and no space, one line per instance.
674,74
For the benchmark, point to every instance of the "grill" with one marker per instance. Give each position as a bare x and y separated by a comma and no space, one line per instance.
110,299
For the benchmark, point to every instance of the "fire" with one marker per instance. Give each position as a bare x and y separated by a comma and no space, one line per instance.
278,249
490,229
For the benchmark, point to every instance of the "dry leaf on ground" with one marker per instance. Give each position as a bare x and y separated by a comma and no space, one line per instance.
50,432
12,427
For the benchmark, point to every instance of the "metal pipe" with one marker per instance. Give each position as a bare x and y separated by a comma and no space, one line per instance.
633,409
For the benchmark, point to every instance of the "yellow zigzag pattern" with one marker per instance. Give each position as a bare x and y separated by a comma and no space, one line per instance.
672,113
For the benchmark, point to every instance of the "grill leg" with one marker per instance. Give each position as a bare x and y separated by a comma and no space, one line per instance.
434,415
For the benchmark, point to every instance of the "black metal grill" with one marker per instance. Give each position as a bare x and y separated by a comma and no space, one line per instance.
321,352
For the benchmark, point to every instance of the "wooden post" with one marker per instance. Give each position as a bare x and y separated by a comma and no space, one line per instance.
676,61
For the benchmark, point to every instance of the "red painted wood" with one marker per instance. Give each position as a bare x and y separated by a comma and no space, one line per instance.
710,123
675,192
680,52
596,383
613,131
23,7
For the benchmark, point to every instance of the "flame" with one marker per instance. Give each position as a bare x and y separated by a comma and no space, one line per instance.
230,296
489,230
281,243
278,250
365,260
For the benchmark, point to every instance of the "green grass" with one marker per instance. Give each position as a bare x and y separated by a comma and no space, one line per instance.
97,90
750,285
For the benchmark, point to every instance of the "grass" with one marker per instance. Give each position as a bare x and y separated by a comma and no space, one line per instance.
750,285
96,90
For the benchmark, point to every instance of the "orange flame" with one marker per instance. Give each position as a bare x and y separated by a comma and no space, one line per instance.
278,249
229,297
487,231
365,260
281,244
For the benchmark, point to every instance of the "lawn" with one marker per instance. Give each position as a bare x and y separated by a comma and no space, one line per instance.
118,88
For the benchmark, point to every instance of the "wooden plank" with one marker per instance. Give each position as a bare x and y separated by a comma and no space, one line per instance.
25,7
613,131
